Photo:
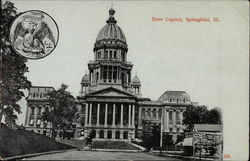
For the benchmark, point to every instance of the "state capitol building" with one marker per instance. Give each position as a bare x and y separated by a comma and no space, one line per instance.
110,101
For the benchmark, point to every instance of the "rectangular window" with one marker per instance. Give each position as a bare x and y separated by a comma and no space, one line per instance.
31,122
115,54
38,122
123,56
106,54
99,55
110,54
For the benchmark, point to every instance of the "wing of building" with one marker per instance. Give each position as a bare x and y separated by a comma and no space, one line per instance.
37,101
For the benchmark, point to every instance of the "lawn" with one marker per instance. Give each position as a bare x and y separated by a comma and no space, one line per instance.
19,142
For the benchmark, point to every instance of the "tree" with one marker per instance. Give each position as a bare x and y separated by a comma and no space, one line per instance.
63,110
200,115
12,66
214,116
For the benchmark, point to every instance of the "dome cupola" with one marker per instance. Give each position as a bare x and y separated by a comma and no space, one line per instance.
85,79
111,35
136,81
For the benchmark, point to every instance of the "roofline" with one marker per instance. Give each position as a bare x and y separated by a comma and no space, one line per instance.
42,87
111,87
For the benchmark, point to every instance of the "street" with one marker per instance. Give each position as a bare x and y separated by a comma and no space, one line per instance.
94,155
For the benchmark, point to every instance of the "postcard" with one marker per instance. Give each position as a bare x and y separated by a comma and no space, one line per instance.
124,80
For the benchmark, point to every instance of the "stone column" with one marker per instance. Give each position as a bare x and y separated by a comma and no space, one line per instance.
86,114
139,117
129,115
133,115
98,114
106,114
113,134
121,121
90,113
35,113
121,134
167,120
113,123
181,116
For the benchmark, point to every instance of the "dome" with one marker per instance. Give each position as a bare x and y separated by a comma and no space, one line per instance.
85,79
111,30
136,81
175,97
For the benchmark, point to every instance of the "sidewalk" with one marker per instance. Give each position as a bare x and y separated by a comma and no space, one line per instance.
35,154
187,157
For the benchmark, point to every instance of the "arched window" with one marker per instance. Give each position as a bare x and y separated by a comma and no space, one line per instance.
101,134
170,100
184,100
109,134
177,100
154,113
41,95
115,54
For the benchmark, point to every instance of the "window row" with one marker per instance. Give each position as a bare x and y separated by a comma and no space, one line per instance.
39,123
178,100
111,54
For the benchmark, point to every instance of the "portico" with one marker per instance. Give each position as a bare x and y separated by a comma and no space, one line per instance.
110,114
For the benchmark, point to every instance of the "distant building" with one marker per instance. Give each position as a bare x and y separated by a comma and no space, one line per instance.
37,101
204,140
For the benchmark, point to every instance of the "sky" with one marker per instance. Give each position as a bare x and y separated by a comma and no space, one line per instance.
208,60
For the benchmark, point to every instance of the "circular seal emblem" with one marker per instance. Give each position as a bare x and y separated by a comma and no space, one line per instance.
34,34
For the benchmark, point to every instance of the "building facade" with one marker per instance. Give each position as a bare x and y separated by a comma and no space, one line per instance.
110,103
37,101
110,100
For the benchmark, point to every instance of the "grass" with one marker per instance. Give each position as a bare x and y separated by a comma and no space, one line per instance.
20,142
113,145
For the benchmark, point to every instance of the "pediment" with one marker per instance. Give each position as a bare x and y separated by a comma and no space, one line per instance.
111,92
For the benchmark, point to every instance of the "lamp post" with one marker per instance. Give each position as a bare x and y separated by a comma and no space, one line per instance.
161,132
